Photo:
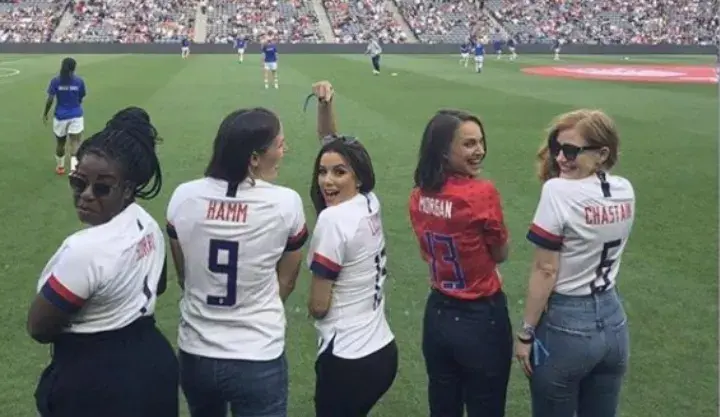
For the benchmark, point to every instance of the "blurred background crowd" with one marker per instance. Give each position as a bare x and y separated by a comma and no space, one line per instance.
351,21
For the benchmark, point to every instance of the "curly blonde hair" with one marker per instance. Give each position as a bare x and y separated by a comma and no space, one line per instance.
596,127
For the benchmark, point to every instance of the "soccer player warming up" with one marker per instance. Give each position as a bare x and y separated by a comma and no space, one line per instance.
97,294
458,221
185,47
479,56
68,91
269,52
240,44
375,51
465,53
574,341
357,357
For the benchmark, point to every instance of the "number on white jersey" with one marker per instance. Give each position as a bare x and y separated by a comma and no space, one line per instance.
229,269
380,276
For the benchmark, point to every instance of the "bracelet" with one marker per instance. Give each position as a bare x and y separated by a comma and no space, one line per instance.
528,329
525,338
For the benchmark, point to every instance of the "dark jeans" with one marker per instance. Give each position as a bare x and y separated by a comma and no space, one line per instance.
351,387
376,62
581,356
132,371
468,353
250,388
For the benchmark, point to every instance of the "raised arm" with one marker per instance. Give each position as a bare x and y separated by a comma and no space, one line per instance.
324,92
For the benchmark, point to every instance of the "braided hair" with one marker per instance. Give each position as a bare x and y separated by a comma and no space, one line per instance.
67,69
129,139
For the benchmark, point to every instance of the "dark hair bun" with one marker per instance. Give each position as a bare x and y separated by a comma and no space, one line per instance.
135,121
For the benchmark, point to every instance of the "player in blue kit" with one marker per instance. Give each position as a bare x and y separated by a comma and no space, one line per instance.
556,49
498,47
511,47
479,57
465,53
240,44
68,90
269,51
185,47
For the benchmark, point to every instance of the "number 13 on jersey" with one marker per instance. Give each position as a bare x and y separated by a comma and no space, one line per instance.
444,253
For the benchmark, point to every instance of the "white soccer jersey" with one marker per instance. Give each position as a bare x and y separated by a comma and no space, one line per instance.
231,307
590,225
107,276
348,247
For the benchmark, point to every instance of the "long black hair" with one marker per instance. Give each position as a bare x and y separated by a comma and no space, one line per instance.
432,168
67,69
242,134
129,139
355,154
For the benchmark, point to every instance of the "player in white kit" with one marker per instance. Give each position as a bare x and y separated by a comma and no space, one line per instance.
357,358
236,240
574,337
97,294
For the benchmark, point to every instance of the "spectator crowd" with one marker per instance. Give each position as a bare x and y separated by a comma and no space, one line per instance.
350,21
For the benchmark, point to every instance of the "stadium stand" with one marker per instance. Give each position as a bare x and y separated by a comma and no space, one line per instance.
129,21
357,21
29,21
290,21
432,21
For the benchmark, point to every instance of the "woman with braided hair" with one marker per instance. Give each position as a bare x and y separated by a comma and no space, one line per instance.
97,294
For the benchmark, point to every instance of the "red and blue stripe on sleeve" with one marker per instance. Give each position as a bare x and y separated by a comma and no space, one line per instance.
171,232
324,267
296,242
61,297
544,239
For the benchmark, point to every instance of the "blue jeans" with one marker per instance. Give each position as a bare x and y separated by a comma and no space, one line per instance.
251,388
580,356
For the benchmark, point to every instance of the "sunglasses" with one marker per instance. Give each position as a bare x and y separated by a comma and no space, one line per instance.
79,185
570,152
348,140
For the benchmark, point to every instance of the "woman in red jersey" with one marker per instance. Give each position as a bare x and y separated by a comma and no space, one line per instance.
458,221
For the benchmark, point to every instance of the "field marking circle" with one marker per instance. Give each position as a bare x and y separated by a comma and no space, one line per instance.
8,72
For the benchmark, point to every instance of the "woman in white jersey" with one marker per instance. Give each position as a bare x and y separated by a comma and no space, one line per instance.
574,342
357,359
97,294
236,240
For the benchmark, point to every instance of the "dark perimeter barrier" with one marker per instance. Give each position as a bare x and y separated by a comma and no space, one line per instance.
333,48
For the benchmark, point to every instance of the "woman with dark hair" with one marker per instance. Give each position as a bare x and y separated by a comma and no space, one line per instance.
458,221
574,341
96,296
69,90
357,358
236,240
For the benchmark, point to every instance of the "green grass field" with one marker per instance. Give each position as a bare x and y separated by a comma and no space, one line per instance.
669,150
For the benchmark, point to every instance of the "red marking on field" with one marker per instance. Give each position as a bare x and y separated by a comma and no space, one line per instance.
632,73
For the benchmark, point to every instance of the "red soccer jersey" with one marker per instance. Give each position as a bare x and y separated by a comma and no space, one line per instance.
455,229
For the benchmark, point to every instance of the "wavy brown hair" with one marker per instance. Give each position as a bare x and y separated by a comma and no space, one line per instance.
596,127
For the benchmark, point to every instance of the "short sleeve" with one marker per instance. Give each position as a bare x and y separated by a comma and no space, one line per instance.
487,209
546,230
83,91
52,87
71,280
298,229
172,211
327,248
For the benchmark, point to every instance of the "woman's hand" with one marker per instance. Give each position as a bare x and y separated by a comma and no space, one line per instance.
323,90
522,353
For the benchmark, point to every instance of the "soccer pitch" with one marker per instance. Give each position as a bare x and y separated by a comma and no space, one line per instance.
669,139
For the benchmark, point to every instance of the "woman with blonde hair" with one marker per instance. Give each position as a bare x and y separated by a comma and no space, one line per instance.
574,343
